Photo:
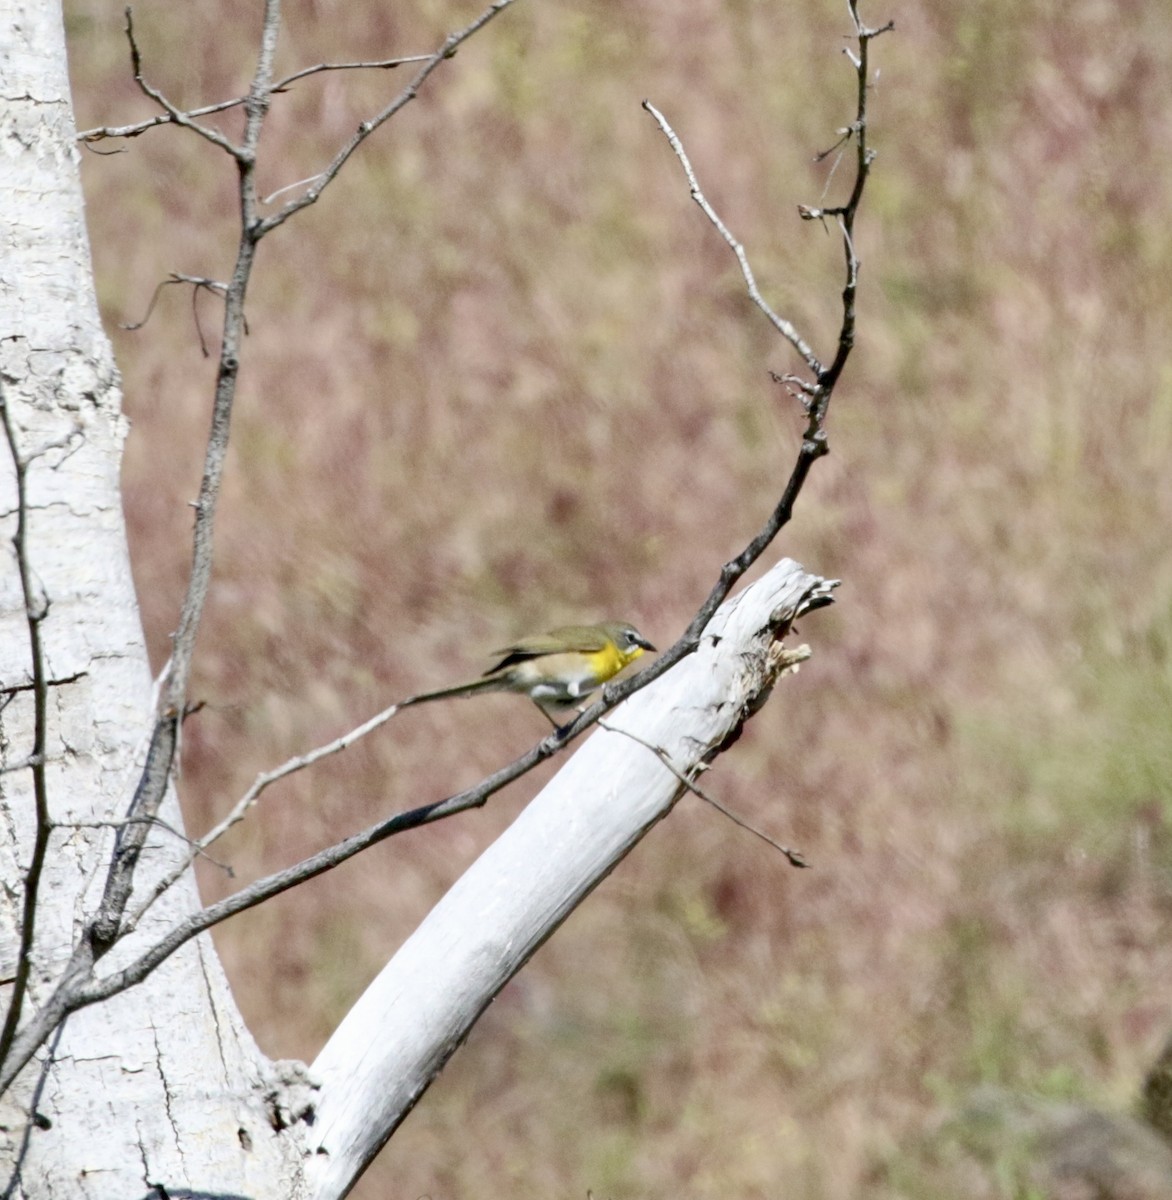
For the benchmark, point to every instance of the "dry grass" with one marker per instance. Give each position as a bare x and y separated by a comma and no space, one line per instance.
506,375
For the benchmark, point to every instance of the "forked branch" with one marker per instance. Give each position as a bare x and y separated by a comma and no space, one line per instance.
108,925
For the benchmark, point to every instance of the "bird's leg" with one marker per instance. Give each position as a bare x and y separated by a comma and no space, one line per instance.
562,730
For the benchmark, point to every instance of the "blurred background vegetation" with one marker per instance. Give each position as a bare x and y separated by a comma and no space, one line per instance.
505,374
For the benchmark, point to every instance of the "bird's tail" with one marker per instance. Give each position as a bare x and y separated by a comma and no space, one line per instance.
489,683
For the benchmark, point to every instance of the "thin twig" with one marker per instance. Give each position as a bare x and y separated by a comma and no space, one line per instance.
386,64
864,157
260,784
33,1118
309,868
816,396
198,283
106,925
174,114
288,187
165,118
325,177
21,765
784,327
473,797
166,826
795,857
36,609
102,132
77,987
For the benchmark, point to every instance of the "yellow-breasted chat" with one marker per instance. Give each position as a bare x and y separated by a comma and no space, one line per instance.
556,668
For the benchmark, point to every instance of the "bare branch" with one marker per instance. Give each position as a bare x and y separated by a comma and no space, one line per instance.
864,157
288,187
386,64
158,822
165,118
309,868
173,114
75,986
101,132
446,51
784,327
22,764
62,1001
33,1118
813,447
36,609
198,284
795,857
259,785
108,925
816,398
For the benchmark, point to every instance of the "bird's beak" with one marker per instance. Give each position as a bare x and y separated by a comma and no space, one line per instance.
642,641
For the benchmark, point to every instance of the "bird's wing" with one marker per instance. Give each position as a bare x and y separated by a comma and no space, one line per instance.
582,638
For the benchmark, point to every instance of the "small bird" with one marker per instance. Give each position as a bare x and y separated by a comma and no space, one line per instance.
555,668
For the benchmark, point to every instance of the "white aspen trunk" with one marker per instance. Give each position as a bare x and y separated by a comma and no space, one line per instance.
160,1087
398,1036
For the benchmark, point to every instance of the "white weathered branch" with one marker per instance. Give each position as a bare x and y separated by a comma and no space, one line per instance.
403,1029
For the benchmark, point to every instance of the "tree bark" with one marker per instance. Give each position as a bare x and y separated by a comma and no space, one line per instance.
160,1087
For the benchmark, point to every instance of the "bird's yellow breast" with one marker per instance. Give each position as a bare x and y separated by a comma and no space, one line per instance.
609,661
